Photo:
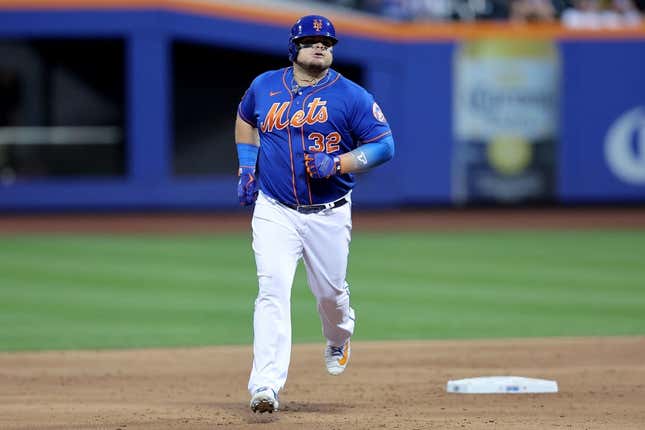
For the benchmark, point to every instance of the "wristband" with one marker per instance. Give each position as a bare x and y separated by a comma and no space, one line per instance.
247,154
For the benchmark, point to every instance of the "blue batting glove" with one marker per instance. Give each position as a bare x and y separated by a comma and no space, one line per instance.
321,165
247,186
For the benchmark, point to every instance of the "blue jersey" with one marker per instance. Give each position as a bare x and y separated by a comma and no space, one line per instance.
336,116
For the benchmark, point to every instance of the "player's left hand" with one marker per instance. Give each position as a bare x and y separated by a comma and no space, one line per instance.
247,186
320,164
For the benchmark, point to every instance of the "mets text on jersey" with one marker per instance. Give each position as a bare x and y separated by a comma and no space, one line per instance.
316,112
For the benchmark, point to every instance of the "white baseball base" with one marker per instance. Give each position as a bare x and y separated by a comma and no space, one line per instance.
501,385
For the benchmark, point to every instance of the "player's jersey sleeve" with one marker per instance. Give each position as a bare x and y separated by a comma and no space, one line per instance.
367,120
246,109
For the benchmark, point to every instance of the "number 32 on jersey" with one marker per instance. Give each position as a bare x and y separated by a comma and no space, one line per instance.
322,143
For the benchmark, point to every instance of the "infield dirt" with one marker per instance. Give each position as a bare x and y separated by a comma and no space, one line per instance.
398,385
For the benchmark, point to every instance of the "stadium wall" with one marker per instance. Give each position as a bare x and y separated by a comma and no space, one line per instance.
596,140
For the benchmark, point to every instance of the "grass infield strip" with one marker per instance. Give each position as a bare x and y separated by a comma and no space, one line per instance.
94,292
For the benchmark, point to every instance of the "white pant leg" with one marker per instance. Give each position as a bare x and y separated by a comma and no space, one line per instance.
326,250
277,248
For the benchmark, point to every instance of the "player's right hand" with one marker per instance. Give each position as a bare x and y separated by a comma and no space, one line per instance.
247,186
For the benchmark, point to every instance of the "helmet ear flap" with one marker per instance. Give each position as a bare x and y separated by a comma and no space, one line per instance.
293,50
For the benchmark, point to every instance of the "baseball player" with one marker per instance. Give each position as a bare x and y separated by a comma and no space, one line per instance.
301,132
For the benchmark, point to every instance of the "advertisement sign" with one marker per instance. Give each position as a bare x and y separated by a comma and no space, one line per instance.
602,158
625,147
505,121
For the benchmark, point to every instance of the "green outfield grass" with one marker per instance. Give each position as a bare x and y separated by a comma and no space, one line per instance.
78,292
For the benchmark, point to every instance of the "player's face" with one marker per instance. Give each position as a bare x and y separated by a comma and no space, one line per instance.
315,54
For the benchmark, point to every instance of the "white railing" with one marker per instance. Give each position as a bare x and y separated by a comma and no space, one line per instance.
61,135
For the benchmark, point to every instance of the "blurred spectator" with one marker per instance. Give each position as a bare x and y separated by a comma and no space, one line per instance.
623,13
409,10
573,13
399,10
593,14
583,14
467,10
532,11
437,10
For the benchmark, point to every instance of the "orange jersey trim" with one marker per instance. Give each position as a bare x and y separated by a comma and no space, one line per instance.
368,27
304,148
377,137
288,129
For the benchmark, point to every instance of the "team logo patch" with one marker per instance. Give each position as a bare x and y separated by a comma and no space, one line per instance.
318,24
378,113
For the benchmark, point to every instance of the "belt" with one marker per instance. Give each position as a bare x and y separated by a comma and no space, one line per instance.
312,209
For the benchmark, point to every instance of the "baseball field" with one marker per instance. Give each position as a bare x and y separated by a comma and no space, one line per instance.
145,322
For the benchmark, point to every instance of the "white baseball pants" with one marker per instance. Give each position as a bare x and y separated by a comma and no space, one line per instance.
281,237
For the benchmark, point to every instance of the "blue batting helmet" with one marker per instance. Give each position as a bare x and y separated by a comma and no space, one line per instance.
307,26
